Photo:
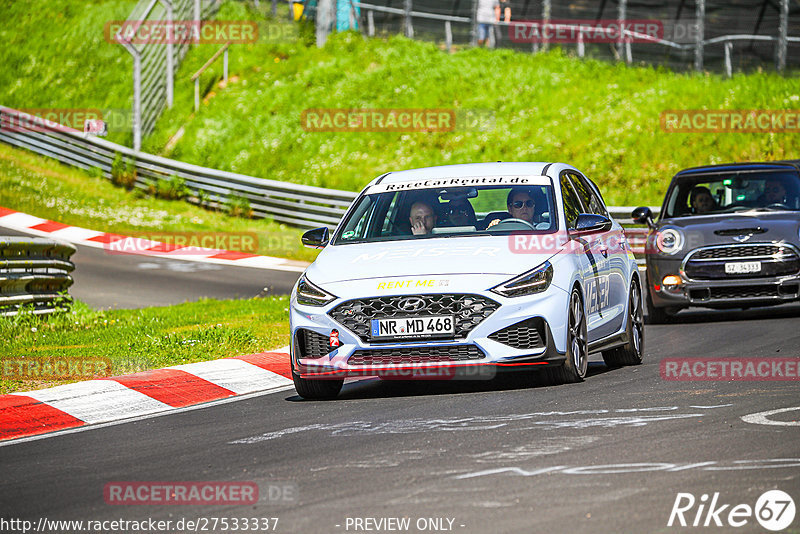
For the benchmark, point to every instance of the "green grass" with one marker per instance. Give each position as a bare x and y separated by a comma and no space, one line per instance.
54,55
45,188
601,117
147,338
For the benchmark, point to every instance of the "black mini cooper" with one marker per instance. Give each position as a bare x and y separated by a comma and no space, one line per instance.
728,237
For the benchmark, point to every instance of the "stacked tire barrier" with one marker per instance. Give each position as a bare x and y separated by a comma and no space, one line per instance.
34,275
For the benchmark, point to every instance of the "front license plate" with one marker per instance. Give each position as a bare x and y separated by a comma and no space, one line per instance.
744,267
430,325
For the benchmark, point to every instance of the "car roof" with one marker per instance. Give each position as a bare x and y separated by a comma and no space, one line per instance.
470,169
732,167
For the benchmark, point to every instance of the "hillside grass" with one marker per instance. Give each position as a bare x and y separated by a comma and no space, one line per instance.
43,187
54,56
599,116
143,339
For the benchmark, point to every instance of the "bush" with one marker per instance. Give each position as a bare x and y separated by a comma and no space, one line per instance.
123,172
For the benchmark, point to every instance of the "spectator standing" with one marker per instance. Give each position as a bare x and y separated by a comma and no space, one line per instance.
488,13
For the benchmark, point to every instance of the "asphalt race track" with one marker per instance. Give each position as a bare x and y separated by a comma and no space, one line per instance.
104,280
506,455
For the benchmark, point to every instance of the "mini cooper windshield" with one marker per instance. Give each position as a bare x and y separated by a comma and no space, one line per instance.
709,194
429,212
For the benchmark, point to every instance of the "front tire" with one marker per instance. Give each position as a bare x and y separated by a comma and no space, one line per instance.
632,352
317,389
577,362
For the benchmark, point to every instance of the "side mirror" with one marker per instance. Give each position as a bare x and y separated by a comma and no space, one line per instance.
589,223
316,238
643,215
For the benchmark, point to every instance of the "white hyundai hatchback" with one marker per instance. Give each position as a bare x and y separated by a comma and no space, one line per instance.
465,270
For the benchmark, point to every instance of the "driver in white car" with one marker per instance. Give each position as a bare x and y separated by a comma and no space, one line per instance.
520,205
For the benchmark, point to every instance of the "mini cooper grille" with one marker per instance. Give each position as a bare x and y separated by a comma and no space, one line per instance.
527,334
709,264
734,251
311,344
451,353
467,310
744,292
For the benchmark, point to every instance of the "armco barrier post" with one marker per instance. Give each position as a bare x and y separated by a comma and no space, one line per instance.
700,16
783,31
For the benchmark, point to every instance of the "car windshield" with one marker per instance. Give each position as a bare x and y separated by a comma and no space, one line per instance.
439,212
710,194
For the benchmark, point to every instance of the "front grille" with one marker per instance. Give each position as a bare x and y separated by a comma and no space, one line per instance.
311,344
709,263
744,292
406,355
737,251
527,334
467,310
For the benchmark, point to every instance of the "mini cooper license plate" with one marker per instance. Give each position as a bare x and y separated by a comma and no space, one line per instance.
430,325
743,267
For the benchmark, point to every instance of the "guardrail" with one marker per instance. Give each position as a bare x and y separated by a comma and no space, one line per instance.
34,273
294,204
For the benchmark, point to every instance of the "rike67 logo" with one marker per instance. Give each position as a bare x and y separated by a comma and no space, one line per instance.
774,510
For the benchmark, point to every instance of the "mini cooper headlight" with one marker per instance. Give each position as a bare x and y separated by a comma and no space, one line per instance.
311,295
669,241
529,283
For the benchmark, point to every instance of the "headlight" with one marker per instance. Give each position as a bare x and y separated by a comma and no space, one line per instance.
311,295
669,241
534,281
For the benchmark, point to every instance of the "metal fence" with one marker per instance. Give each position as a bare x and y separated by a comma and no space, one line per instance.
155,64
722,35
34,275
293,204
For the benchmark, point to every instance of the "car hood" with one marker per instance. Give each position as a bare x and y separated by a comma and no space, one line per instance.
482,255
761,227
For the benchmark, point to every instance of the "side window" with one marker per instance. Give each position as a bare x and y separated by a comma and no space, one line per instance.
588,195
391,216
356,226
572,206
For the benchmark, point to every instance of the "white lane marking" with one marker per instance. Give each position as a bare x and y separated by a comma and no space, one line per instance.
762,418
173,411
98,401
711,407
408,426
177,266
236,375
608,469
